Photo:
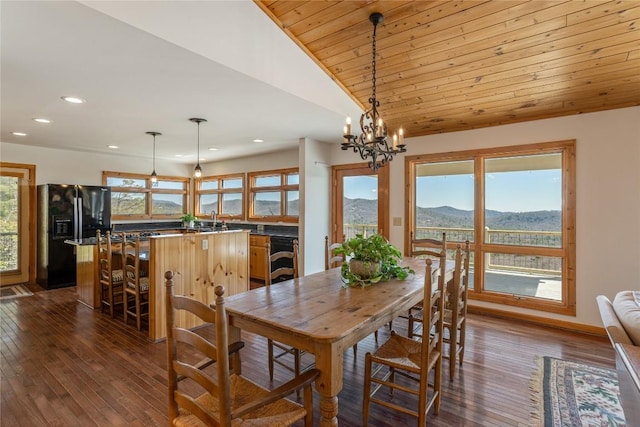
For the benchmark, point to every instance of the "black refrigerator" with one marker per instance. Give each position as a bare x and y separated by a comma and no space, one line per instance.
67,212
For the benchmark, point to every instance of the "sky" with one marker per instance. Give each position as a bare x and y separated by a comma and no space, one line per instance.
522,191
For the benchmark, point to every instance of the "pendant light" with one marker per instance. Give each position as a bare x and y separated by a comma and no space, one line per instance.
197,172
154,175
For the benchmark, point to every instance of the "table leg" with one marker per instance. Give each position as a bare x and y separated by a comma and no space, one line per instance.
328,411
329,362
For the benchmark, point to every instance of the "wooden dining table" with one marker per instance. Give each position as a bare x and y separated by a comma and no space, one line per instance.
318,314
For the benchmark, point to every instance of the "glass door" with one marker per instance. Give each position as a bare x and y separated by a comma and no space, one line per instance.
360,200
15,198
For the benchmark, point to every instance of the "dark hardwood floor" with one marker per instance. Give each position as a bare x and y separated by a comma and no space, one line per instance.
64,364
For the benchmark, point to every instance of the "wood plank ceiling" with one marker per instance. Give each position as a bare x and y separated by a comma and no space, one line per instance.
445,66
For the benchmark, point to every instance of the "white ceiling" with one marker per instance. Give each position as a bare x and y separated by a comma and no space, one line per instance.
150,66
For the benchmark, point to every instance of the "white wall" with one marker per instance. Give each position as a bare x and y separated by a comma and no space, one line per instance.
76,167
315,203
607,195
261,162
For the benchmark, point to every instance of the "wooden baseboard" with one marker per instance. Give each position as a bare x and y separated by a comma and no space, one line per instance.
539,320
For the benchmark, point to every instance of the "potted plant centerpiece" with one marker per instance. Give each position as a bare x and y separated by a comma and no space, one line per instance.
188,220
370,260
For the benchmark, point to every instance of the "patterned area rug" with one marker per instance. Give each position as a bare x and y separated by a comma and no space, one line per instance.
15,291
573,394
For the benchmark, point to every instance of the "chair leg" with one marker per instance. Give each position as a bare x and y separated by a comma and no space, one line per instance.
367,389
453,346
437,384
308,404
111,302
138,320
410,327
270,351
125,305
463,329
296,367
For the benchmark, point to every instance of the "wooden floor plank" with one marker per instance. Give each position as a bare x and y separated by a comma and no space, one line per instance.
65,364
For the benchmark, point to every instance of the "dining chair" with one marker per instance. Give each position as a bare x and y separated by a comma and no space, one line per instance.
332,260
136,290
455,313
429,248
276,350
226,397
111,279
413,360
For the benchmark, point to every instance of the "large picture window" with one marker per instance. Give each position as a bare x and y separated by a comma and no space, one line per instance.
516,206
274,195
222,195
134,196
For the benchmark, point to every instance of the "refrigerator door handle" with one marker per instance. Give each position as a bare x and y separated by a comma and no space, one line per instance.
77,218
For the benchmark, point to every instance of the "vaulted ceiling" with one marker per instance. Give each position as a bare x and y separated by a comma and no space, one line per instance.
451,65
441,66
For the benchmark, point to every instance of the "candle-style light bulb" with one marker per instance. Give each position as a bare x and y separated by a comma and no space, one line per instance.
395,142
379,128
347,126
401,137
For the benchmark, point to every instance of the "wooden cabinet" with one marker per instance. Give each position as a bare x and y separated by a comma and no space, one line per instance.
199,261
257,256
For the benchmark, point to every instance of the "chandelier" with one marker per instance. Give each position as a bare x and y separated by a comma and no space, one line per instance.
372,143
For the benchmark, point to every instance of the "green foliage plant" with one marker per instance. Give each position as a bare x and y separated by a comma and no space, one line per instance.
374,249
187,218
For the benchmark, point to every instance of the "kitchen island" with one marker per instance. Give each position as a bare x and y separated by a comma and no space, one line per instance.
199,262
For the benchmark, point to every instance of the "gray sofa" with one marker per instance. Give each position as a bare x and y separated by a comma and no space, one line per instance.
621,318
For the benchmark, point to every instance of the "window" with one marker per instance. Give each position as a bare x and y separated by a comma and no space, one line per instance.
223,195
274,195
134,196
516,205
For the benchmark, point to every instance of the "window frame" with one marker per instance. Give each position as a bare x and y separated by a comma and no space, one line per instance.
567,252
283,188
221,191
149,190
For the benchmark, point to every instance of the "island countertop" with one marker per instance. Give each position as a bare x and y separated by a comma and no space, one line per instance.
116,238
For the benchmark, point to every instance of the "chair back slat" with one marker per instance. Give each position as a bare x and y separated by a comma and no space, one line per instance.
332,260
273,274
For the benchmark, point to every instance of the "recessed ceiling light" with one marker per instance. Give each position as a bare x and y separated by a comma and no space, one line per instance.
213,149
18,133
41,120
179,155
258,140
74,99
113,147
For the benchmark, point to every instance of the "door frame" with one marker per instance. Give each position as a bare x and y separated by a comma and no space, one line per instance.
30,217
337,194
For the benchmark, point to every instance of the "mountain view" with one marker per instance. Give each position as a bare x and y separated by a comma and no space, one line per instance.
363,211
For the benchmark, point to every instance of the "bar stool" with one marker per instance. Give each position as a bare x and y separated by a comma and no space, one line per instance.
111,279
136,291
